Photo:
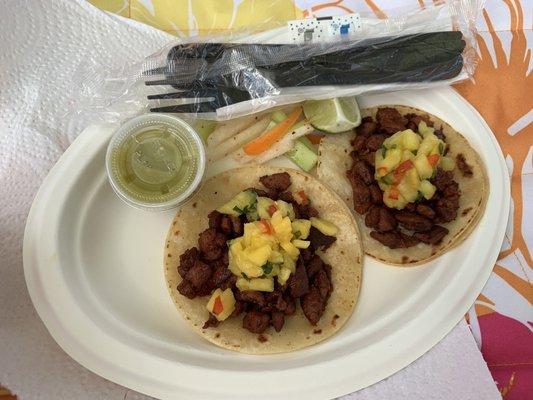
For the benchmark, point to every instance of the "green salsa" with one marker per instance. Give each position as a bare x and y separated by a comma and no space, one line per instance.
155,164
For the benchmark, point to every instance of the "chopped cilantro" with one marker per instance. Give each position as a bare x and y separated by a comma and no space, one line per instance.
251,214
267,268
245,210
387,179
441,148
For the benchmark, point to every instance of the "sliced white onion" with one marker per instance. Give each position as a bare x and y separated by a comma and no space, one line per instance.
221,150
282,146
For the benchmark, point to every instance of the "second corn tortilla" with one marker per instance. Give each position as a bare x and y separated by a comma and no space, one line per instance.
335,160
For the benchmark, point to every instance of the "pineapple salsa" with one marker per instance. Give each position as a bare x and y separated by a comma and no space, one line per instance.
405,164
268,249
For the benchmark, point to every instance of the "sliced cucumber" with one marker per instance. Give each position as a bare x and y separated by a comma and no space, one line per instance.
275,119
308,143
303,154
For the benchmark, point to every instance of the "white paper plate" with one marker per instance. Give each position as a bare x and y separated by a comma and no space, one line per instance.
94,270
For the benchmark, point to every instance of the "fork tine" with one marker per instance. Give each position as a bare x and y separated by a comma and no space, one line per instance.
186,108
185,94
176,83
154,71
161,82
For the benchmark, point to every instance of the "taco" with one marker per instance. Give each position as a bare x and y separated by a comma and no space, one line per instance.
415,185
264,260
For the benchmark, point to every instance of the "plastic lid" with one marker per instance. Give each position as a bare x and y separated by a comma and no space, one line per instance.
155,162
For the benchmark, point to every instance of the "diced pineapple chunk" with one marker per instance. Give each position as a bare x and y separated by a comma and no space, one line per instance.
282,228
260,240
423,167
385,165
285,208
399,202
284,275
326,227
233,266
301,244
424,129
260,255
393,141
236,245
383,185
276,218
301,228
427,189
428,144
249,268
291,250
257,284
447,163
221,304
412,178
291,214
263,203
410,140
288,262
275,271
439,145
275,257
406,139
408,187
407,155
251,230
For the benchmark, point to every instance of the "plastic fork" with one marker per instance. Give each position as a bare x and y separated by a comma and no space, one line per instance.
203,99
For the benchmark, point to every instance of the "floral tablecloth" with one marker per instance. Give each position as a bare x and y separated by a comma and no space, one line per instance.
501,319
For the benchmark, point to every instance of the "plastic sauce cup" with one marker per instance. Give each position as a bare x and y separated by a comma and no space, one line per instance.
155,162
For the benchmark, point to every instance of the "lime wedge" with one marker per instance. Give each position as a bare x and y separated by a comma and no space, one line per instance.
333,115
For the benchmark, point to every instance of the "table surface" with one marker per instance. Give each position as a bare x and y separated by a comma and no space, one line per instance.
501,319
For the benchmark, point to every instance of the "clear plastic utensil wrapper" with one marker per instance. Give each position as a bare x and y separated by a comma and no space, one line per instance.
242,72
